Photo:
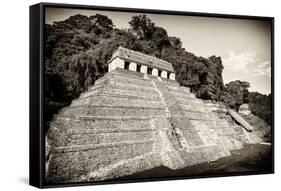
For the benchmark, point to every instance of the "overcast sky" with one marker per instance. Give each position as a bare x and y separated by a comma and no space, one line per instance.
243,45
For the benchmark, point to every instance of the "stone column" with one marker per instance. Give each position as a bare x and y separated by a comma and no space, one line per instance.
164,74
120,63
154,72
143,69
111,66
116,63
133,66
172,76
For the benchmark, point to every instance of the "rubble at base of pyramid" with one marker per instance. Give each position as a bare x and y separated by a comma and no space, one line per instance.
244,109
135,118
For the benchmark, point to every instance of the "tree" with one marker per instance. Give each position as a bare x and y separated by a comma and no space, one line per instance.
260,105
142,26
101,23
77,51
239,91
228,99
160,38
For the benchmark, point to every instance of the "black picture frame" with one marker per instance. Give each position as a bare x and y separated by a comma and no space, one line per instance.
36,99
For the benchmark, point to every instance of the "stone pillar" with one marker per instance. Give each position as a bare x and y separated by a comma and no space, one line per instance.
120,63
133,66
154,72
143,69
164,74
172,76
111,66
116,63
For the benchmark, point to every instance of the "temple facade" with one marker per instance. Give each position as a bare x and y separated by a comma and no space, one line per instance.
138,62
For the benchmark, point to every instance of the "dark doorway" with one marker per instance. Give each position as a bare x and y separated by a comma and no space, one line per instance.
149,70
127,64
168,75
138,67
159,73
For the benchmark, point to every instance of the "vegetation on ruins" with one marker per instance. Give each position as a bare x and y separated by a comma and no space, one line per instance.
77,51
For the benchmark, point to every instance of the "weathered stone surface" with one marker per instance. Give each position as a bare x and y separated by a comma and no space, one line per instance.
240,120
130,122
244,109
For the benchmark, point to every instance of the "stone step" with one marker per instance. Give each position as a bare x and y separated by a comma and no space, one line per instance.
225,131
217,110
185,89
203,154
96,86
108,100
217,122
97,90
179,89
98,136
194,107
123,168
208,136
199,115
129,77
188,131
123,86
188,100
183,95
70,163
118,95
124,73
101,146
126,85
211,123
230,143
170,82
128,73
115,90
138,97
113,111
122,79
86,124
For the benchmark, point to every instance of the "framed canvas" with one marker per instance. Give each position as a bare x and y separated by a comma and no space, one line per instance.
126,95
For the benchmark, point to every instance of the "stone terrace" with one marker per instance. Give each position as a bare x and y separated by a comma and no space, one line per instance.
132,120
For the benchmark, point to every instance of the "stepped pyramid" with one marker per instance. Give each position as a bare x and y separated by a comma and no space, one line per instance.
135,118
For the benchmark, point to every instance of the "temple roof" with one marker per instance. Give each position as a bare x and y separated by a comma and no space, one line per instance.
143,59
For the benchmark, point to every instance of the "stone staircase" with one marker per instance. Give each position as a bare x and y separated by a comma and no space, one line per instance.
240,133
129,122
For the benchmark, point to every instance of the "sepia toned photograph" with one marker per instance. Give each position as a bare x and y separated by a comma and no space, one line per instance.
136,95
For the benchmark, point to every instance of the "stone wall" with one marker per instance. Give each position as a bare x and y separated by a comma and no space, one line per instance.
129,122
133,58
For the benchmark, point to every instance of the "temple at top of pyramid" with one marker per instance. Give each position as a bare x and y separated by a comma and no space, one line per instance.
139,62
137,118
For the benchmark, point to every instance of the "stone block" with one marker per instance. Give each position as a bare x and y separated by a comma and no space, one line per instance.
164,74
172,76
133,66
143,69
154,72
116,63
111,66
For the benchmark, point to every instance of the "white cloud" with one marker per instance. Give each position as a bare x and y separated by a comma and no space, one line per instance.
238,62
263,69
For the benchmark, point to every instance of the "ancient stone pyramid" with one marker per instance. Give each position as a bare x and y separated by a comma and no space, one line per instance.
135,118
